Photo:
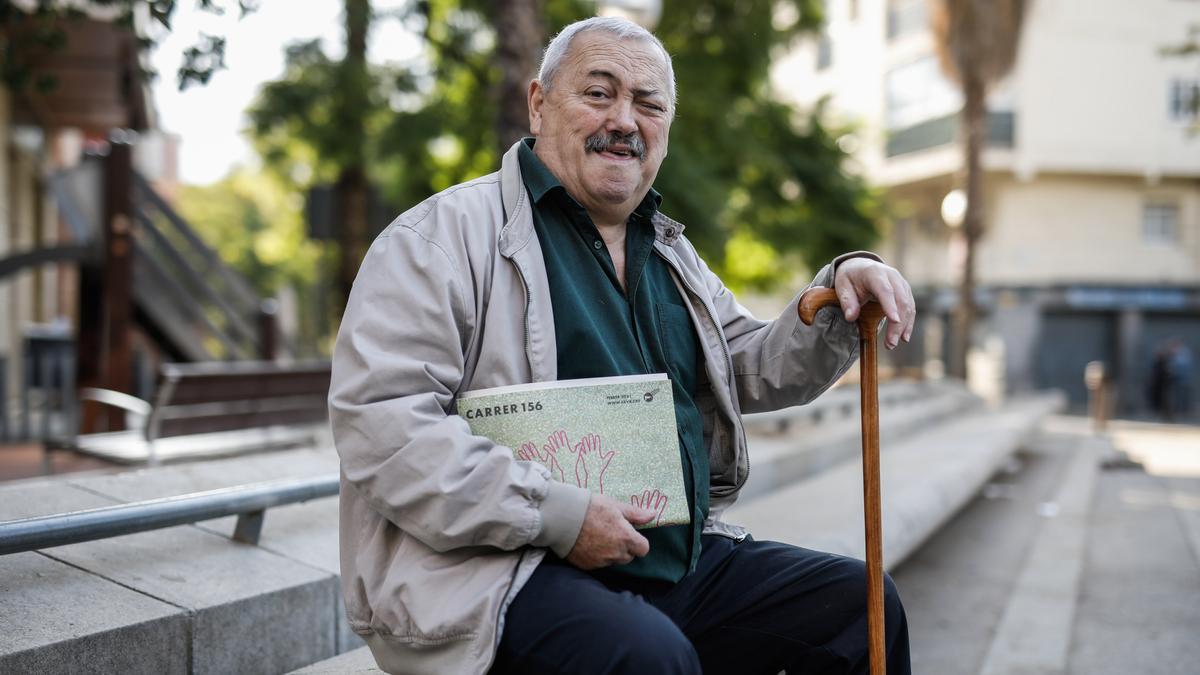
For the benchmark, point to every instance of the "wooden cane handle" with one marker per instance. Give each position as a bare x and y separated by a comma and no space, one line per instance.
817,298
814,300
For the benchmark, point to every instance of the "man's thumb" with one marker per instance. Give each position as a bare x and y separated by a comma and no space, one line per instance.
636,514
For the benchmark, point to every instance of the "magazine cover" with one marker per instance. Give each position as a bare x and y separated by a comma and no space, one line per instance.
611,435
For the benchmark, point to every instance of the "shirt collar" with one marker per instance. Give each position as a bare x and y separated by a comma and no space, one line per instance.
540,181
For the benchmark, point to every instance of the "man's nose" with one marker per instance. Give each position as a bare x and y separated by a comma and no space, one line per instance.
621,117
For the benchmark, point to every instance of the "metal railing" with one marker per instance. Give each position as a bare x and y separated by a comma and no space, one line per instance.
247,502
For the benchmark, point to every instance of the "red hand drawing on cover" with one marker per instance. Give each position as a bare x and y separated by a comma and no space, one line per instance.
591,462
555,442
547,456
652,500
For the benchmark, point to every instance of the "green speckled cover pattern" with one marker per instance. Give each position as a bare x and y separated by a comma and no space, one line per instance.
611,435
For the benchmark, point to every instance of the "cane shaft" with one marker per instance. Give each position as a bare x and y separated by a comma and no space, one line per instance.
869,316
872,510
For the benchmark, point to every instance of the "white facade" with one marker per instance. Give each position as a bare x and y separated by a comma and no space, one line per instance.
1093,166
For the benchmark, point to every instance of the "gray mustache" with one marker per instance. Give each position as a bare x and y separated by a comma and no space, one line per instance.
602,142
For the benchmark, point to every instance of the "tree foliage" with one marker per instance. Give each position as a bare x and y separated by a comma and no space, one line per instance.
256,225
747,173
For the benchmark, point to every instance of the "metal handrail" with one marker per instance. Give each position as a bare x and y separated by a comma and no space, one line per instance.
248,502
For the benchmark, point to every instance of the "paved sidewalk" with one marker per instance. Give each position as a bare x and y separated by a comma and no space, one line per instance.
1073,560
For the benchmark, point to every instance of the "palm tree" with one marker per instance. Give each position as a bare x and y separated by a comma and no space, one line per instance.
976,41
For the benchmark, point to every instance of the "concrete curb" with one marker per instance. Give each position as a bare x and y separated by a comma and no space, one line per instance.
926,479
780,461
1034,634
235,608
356,662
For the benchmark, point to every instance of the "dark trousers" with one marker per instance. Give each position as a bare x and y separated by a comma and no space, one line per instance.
750,607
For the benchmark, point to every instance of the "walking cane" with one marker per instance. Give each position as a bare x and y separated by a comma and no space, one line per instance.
868,321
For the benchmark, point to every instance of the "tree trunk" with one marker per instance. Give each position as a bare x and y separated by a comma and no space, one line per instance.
519,38
351,190
974,127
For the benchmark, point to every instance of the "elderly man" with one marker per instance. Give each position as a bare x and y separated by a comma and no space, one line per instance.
458,557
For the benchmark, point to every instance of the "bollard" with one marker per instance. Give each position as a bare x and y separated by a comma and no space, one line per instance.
1098,384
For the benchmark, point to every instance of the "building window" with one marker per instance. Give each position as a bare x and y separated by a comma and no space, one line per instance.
824,52
905,17
918,91
1160,222
1185,100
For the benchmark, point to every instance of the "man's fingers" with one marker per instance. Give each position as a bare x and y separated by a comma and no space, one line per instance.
912,311
849,301
639,546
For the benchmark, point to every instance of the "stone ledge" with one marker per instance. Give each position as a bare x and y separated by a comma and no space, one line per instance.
926,479
356,662
47,623
777,461
242,608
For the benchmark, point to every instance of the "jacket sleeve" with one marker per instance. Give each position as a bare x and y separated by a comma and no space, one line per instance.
782,362
397,366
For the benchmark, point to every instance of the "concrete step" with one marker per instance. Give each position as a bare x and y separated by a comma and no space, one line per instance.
926,478
355,662
1138,606
183,599
957,584
188,599
828,431
1034,633
1062,566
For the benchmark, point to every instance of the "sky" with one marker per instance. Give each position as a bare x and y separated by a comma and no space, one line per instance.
210,119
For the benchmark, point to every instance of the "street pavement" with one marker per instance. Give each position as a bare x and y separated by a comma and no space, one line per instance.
1081,556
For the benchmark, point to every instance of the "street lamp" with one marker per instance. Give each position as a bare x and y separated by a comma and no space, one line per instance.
954,208
645,13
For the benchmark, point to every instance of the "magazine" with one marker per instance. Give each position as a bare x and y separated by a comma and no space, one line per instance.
612,435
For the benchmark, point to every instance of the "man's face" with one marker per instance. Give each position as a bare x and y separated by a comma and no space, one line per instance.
602,128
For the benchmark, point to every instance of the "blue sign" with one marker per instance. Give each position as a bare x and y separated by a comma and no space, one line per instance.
1142,298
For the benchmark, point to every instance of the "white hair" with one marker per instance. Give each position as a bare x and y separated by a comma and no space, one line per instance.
618,27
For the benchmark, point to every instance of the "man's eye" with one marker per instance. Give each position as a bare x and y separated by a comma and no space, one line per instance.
595,93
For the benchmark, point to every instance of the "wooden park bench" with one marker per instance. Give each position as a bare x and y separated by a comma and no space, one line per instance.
214,409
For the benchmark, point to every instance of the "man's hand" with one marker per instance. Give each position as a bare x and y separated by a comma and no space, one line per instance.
607,536
859,280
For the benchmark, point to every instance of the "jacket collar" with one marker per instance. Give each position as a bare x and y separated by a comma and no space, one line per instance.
518,218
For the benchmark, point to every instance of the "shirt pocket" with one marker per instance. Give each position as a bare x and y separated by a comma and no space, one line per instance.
679,344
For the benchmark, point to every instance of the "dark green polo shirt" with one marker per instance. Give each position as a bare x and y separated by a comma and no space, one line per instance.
604,331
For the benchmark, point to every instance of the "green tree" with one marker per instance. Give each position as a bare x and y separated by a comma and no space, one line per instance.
256,225
758,182
977,45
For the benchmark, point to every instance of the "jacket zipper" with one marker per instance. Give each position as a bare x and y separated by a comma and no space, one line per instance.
724,350
528,300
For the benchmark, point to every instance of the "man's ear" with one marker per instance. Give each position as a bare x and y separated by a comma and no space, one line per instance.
537,97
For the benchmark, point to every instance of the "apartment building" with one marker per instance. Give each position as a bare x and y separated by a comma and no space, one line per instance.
1092,242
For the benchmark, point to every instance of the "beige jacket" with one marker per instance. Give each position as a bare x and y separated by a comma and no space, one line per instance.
439,528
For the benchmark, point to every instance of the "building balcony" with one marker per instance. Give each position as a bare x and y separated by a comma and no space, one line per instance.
933,133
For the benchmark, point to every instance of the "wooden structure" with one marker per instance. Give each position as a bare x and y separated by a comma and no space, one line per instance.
95,82
214,409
